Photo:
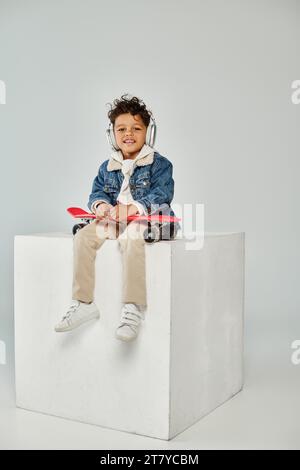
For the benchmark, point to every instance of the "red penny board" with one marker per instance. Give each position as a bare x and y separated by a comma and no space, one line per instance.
79,213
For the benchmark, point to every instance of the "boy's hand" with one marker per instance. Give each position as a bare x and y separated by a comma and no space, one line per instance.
120,212
103,210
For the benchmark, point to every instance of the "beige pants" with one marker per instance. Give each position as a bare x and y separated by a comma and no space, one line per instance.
90,238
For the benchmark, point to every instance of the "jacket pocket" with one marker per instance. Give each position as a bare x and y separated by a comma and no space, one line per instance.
142,183
141,186
110,188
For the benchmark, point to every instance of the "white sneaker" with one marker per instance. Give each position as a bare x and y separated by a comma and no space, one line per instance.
131,316
78,313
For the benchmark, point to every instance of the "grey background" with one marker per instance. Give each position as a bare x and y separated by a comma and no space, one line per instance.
217,76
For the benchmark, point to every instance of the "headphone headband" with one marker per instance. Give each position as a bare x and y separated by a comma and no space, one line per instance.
150,135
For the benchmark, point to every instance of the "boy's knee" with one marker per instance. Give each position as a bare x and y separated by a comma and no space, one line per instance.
87,231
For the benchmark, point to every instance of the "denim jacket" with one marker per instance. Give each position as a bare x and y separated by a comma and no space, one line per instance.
151,183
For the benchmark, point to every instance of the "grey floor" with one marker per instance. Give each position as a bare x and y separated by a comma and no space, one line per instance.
264,415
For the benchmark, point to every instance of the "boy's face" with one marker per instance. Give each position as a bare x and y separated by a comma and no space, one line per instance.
130,134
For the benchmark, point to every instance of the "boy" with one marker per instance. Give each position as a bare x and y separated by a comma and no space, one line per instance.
135,180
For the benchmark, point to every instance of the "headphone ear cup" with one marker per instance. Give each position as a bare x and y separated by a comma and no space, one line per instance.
148,134
151,133
111,137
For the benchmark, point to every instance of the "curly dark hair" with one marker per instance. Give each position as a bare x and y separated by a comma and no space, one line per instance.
131,105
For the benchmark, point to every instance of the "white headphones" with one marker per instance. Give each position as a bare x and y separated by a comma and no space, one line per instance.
150,135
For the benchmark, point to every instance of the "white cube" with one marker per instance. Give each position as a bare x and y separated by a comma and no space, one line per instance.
186,360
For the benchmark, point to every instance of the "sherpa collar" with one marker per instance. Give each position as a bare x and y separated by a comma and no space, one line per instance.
145,157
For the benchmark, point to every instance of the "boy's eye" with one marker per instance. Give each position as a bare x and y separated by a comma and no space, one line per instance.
136,128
